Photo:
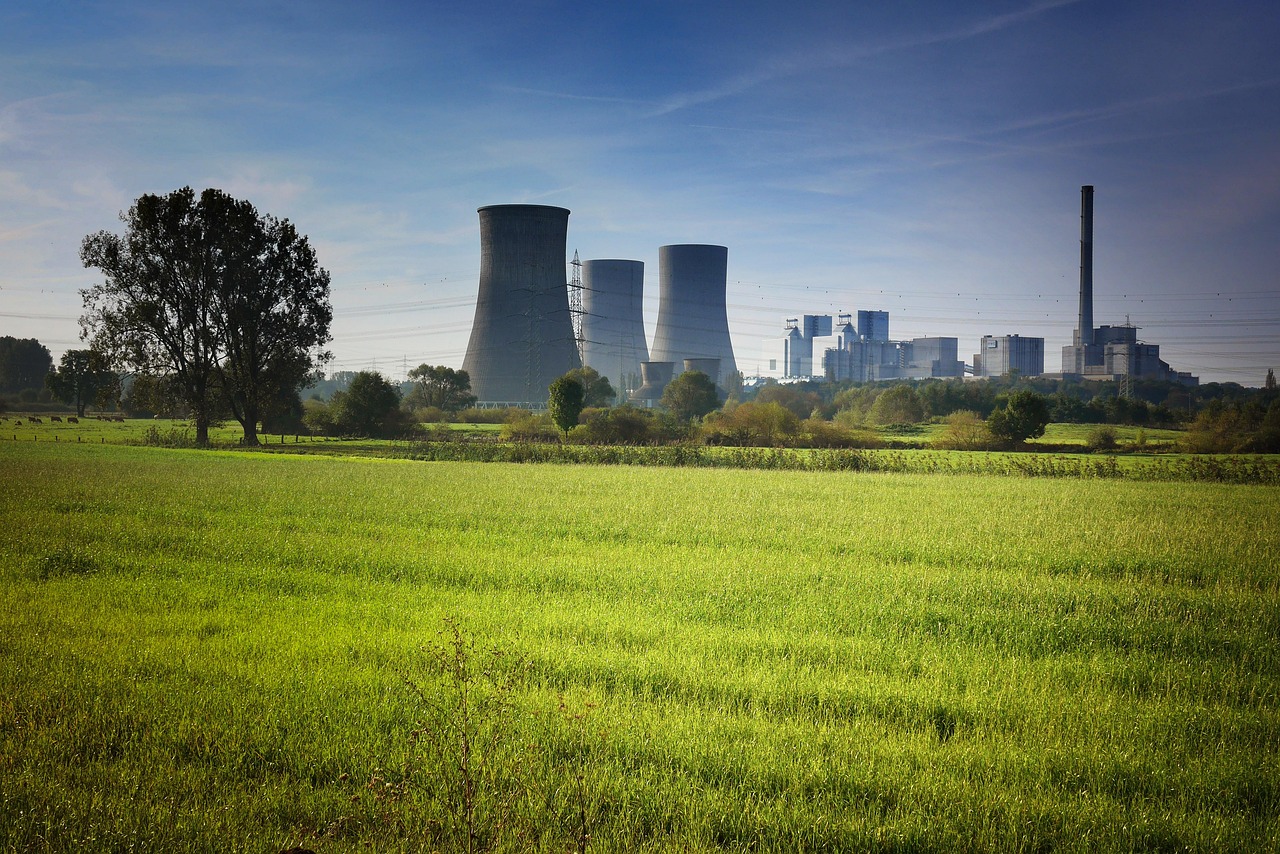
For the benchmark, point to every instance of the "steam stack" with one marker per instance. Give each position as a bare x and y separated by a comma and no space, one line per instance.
1084,332
693,318
522,336
613,321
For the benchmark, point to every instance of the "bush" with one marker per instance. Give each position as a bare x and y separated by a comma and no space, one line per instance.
1102,438
965,431
528,427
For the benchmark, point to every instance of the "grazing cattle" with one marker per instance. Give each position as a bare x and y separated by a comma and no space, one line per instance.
35,420
71,419
57,418
119,418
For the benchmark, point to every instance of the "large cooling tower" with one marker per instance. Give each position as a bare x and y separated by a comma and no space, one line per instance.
522,337
613,321
693,320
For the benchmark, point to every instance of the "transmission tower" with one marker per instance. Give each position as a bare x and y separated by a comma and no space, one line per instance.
575,304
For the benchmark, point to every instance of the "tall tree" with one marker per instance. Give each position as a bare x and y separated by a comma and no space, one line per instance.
82,377
565,401
690,395
440,386
222,302
24,362
1024,416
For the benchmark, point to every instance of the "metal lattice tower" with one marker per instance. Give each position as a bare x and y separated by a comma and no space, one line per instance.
575,303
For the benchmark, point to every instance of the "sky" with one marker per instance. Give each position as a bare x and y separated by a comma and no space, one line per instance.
921,157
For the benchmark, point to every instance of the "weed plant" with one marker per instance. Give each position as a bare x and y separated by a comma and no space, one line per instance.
218,651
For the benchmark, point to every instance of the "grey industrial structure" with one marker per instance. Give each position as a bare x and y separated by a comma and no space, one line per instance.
613,337
862,353
999,355
693,315
523,334
522,337
1108,352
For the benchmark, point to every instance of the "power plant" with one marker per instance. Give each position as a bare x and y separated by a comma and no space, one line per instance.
693,316
613,337
527,333
1108,352
522,336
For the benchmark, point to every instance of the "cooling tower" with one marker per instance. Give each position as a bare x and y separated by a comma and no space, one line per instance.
693,320
655,376
710,367
522,337
613,338
1084,332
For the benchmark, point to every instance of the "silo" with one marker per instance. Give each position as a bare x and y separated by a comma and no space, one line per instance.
522,337
613,321
693,319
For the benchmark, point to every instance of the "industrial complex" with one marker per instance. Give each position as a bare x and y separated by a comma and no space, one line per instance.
532,324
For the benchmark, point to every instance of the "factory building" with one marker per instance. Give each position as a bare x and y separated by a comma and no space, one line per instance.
522,337
1108,352
791,356
1006,354
613,337
873,325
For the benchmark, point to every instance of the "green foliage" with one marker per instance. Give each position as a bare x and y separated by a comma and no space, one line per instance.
24,362
965,431
1024,416
565,402
228,305
370,406
1102,438
690,395
799,403
84,377
441,387
597,390
897,404
619,425
752,424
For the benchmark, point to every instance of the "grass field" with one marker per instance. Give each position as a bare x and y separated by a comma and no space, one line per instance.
221,651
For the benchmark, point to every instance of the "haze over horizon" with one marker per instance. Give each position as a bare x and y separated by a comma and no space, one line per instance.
922,158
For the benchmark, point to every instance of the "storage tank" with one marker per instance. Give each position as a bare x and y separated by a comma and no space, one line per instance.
613,338
693,319
522,336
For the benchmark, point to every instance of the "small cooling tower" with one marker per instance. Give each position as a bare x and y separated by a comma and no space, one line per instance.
522,337
693,319
613,321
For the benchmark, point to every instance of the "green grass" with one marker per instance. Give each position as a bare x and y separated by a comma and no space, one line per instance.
208,651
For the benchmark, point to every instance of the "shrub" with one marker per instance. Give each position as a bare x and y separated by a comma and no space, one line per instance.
965,431
1102,438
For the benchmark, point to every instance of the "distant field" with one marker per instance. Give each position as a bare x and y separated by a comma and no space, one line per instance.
208,651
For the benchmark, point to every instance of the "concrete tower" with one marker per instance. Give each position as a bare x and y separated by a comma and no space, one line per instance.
522,336
693,319
1084,331
613,338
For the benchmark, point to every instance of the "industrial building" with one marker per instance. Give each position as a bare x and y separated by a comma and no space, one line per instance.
1108,352
522,336
863,354
613,336
1000,355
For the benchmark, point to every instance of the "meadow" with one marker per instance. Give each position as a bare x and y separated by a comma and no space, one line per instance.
224,651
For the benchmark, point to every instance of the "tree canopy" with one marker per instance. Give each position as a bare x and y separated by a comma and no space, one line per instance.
84,377
24,362
1024,416
597,390
229,305
566,401
439,386
690,395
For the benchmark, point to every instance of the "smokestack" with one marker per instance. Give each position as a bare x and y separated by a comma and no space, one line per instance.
1084,334
693,320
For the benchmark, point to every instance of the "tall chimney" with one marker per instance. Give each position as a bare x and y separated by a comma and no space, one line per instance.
1084,334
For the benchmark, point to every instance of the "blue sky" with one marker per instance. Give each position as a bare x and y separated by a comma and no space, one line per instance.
923,158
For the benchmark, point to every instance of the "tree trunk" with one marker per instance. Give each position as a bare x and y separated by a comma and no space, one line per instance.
202,429
250,425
